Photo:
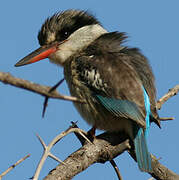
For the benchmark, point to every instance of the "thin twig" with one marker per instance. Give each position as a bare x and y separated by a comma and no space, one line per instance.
172,92
116,169
13,166
166,118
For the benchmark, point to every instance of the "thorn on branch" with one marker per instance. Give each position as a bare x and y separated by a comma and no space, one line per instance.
45,104
116,169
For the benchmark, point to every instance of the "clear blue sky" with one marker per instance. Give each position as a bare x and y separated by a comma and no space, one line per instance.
151,25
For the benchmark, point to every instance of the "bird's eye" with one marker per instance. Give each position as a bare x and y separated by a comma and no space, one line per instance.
62,35
65,34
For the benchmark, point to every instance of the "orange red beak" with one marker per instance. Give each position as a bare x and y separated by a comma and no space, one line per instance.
39,54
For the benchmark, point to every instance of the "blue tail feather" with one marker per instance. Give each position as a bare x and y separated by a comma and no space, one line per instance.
142,154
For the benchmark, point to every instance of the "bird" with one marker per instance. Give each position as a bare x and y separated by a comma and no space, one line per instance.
115,80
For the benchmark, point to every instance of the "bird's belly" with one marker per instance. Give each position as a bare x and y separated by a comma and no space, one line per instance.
91,111
96,115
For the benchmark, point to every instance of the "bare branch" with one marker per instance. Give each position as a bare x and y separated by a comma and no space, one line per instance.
13,166
6,78
160,172
48,148
172,92
82,141
104,148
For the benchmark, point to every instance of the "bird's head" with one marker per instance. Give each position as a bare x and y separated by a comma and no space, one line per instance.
63,35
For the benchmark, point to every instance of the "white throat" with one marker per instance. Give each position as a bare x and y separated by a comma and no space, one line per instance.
76,42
